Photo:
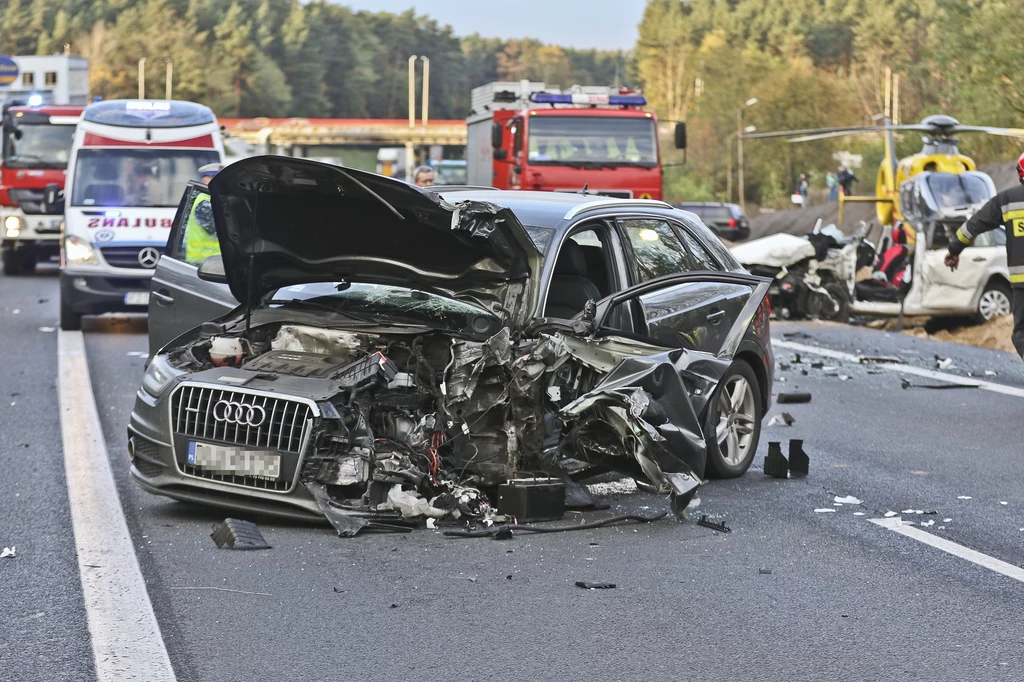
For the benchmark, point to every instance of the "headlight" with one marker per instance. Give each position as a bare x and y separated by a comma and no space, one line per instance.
79,251
158,376
13,224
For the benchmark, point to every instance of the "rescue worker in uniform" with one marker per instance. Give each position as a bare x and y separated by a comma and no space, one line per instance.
200,235
1005,209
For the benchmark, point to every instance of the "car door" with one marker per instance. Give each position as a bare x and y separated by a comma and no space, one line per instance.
955,291
179,300
695,314
670,311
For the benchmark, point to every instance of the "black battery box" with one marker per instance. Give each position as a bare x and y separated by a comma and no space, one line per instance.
532,499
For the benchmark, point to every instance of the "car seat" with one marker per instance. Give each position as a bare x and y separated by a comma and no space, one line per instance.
570,289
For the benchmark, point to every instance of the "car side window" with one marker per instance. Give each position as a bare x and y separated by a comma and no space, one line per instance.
700,255
656,248
998,236
198,239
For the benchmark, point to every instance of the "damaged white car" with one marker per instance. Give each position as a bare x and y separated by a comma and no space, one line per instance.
399,353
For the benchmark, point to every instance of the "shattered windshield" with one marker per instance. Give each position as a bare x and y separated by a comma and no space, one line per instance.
383,301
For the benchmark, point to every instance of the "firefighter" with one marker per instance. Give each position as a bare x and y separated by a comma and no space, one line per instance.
200,234
1006,210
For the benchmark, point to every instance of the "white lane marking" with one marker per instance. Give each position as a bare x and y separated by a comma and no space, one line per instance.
126,640
975,557
902,369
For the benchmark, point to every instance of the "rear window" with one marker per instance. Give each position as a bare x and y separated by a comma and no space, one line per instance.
717,212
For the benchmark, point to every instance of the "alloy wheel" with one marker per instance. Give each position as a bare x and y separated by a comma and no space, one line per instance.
994,303
736,414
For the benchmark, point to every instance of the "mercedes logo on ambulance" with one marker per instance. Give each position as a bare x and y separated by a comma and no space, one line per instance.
148,257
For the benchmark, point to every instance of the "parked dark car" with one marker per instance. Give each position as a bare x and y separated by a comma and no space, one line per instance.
399,349
727,220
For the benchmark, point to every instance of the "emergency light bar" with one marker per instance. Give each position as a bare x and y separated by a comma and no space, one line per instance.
580,98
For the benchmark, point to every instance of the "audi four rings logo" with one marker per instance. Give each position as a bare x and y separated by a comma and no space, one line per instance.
239,413
148,257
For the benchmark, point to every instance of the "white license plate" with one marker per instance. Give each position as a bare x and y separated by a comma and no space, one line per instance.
136,298
220,459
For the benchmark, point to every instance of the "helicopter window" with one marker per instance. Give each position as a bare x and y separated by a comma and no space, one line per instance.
977,189
958,191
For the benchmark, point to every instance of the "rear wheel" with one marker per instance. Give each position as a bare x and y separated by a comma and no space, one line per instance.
995,301
17,262
733,425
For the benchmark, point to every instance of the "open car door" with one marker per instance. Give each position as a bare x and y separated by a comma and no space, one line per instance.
178,299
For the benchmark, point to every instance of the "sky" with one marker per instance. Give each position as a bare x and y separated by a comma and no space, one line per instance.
602,24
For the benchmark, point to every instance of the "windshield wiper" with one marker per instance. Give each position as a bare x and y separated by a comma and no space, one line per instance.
326,307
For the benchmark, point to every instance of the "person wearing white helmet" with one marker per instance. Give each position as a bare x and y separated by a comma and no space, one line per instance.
207,172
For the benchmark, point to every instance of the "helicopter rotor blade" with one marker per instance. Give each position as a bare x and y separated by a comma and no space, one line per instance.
810,131
1003,132
825,136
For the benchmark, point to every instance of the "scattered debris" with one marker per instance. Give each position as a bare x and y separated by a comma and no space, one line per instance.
796,359
506,532
799,462
929,522
238,534
848,499
623,486
889,514
7,552
783,366
817,365
990,373
946,520
532,499
825,510
47,330
1003,502
431,523
784,419
764,571
775,464
138,354
830,368
905,384
858,513
338,590
593,586
225,589
943,363
720,527
964,497
797,335
798,397
844,377
878,360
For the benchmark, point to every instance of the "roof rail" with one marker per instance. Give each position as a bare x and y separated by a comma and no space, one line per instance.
608,203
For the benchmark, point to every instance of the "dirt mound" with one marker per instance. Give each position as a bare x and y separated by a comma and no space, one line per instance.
994,334
800,221
1001,172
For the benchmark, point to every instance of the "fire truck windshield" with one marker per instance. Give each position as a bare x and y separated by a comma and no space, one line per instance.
34,145
592,141
135,177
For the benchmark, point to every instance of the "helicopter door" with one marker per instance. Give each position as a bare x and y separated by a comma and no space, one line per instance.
954,291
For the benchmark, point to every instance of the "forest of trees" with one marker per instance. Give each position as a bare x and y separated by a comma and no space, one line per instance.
283,57
809,63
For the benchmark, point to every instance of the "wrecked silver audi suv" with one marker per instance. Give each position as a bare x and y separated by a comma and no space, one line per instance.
396,353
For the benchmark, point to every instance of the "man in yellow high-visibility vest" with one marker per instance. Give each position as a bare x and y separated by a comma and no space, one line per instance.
200,233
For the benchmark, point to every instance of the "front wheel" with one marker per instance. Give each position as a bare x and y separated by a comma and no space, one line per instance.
69,319
995,301
14,262
733,425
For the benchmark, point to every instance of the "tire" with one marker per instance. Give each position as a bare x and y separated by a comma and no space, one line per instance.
996,300
730,451
69,320
14,263
824,309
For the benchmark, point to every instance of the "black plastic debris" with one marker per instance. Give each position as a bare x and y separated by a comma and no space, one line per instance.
503,533
783,366
764,571
878,360
720,527
797,397
799,462
506,531
238,534
797,335
338,590
817,365
796,359
905,384
594,586
532,499
784,418
775,464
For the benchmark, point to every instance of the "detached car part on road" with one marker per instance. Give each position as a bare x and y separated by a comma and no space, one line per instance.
399,352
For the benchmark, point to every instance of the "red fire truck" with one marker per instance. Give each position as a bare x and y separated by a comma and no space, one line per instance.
36,148
524,135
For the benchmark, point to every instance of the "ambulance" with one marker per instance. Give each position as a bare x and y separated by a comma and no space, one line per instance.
130,162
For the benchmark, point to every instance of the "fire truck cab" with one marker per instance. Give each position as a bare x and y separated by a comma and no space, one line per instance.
36,150
525,135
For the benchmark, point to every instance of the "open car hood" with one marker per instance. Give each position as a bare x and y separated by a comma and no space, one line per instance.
284,221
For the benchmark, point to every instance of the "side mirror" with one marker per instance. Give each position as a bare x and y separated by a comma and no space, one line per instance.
212,270
500,154
680,135
496,133
53,199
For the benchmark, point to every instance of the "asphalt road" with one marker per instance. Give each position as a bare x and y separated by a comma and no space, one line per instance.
844,598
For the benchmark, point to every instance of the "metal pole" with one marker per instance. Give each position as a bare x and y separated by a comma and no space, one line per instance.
728,168
739,157
142,78
170,74
896,99
887,105
412,91
426,89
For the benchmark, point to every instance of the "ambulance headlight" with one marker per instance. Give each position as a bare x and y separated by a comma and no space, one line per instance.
79,251
13,224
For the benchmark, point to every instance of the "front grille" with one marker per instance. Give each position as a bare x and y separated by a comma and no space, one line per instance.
147,468
283,430
124,256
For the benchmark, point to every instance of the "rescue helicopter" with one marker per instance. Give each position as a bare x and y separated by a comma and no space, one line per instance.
939,153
